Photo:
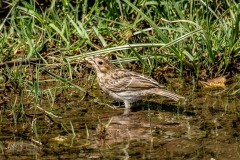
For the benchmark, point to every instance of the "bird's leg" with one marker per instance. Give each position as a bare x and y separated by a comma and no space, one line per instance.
127,104
127,108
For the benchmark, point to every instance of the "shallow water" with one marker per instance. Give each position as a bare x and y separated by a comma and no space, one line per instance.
204,126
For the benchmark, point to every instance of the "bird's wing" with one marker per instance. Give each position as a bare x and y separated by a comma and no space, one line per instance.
124,80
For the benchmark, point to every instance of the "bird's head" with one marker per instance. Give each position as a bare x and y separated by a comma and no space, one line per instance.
101,64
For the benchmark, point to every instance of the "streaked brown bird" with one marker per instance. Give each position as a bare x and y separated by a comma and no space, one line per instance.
124,85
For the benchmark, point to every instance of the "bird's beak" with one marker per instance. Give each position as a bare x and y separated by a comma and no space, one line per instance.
90,60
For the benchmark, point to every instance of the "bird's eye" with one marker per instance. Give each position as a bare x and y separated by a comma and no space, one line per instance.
100,62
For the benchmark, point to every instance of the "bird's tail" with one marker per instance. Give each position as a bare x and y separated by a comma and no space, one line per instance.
166,93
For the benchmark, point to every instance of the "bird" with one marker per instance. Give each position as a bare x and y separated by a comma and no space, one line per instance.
124,85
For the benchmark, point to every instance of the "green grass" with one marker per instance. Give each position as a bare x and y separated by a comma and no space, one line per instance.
181,33
191,36
191,32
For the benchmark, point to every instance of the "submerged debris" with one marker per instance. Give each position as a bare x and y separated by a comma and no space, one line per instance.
218,82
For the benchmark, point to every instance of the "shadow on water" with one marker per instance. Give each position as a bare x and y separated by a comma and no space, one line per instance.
205,126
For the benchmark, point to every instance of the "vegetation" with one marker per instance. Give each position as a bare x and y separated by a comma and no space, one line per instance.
189,35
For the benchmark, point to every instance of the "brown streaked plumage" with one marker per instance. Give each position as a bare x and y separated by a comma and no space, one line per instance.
124,85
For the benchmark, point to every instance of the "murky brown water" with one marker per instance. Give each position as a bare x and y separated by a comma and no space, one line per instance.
206,126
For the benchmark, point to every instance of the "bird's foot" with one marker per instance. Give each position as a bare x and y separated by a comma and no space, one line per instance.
127,112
